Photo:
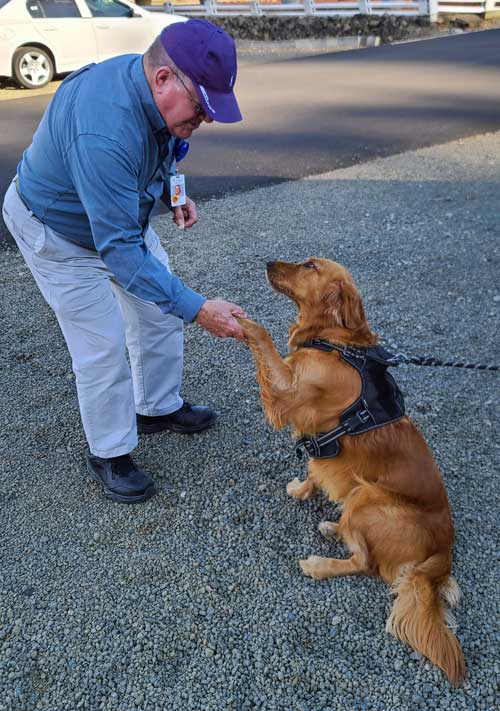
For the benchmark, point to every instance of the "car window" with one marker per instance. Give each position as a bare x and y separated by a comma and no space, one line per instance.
108,8
34,8
53,8
3,2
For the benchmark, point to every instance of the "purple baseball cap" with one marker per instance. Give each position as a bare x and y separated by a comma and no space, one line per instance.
207,55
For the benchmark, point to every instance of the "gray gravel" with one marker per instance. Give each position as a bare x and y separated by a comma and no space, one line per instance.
194,601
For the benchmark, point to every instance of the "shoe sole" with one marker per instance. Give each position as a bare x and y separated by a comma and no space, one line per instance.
120,498
153,428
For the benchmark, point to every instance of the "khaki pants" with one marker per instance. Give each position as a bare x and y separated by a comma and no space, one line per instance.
100,321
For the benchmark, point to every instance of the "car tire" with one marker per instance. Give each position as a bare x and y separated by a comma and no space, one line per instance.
32,67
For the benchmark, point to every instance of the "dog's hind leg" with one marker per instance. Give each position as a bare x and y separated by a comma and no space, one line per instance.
302,490
317,567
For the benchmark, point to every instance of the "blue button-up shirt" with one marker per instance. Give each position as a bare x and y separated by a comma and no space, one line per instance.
95,169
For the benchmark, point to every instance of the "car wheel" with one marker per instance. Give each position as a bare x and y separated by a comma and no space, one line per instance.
33,67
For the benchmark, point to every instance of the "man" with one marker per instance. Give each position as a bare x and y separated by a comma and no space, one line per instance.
79,210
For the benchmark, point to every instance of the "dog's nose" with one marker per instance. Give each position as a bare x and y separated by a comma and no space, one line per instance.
270,265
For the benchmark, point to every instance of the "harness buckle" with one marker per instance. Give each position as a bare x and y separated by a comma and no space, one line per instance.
309,445
358,418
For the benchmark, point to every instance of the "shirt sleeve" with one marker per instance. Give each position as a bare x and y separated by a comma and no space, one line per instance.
106,181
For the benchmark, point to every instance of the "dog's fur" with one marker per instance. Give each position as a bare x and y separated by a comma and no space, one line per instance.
396,519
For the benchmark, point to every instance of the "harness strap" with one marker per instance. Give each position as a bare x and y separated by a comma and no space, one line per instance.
326,445
313,446
376,353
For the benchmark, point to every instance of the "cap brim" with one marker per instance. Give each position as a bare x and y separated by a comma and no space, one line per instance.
220,106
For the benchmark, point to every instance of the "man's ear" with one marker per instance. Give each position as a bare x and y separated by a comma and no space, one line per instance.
162,76
344,306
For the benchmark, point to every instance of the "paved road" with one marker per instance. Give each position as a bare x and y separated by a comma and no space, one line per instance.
313,114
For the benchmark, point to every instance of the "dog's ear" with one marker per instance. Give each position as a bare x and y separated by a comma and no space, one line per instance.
353,313
333,305
344,306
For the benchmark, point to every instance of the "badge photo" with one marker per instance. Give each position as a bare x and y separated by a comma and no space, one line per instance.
177,190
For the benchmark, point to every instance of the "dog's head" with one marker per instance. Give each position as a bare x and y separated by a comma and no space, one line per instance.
324,292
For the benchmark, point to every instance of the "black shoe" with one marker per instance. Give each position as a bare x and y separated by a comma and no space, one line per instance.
121,478
187,420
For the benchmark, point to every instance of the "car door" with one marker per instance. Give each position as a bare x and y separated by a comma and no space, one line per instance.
70,36
119,29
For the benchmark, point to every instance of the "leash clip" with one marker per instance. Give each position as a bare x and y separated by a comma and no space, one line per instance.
398,359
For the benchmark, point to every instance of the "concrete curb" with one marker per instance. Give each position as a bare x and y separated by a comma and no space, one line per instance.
324,44
332,44
9,93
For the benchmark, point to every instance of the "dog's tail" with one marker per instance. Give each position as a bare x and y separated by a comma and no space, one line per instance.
421,619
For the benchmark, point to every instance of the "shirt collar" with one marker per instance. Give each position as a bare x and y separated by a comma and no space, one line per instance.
155,119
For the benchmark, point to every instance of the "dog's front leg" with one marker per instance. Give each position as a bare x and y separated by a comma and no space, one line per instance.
274,376
302,490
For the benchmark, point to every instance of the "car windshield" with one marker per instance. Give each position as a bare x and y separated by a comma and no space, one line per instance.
3,2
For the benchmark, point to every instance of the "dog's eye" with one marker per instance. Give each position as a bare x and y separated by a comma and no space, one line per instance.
309,265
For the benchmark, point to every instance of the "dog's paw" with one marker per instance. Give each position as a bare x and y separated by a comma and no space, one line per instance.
315,567
302,490
251,329
329,530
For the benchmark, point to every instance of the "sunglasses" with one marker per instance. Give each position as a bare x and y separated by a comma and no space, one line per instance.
200,111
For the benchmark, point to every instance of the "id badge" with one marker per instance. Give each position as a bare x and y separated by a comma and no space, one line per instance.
177,190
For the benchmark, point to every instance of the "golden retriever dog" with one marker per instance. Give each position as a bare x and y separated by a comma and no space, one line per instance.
396,519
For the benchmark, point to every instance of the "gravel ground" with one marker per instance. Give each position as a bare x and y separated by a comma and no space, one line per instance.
194,600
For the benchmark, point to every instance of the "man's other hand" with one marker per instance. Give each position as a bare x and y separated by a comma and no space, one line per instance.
217,316
185,215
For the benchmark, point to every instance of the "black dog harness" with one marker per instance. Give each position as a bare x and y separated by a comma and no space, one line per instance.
380,403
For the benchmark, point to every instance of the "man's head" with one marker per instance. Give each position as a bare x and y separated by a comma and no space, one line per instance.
191,69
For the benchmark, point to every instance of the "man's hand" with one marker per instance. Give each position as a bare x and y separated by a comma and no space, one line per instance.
185,215
217,316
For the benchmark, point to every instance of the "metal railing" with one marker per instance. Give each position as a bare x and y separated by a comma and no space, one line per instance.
342,8
302,7
477,7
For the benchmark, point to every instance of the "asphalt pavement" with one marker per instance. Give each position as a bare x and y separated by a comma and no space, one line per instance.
194,601
307,115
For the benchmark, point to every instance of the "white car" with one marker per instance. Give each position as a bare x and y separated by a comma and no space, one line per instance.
40,38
